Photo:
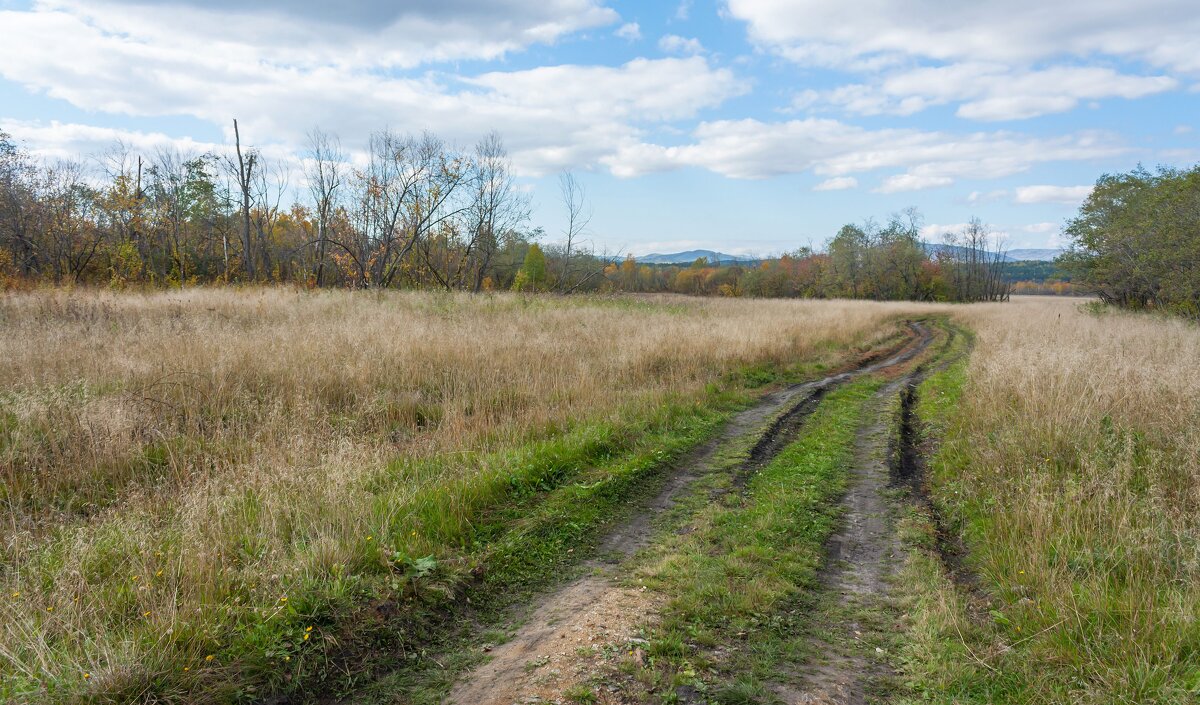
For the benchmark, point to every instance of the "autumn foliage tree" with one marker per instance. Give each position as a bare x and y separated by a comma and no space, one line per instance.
416,212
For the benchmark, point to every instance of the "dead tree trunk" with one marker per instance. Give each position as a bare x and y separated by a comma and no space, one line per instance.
245,166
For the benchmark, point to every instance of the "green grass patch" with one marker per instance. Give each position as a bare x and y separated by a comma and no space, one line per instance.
739,582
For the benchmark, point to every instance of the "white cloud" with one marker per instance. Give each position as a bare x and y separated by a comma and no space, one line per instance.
308,34
996,59
1161,33
751,149
683,10
675,44
837,183
282,72
642,89
629,31
1182,129
1041,228
912,182
935,232
551,117
976,197
57,140
987,91
1065,195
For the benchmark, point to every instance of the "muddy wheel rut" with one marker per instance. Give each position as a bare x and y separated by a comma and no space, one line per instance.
910,472
553,649
856,582
890,451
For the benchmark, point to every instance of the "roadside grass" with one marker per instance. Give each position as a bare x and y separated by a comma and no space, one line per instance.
535,536
1067,463
741,580
212,496
449,551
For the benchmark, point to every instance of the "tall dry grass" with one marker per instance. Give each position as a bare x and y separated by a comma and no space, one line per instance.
173,462
1073,465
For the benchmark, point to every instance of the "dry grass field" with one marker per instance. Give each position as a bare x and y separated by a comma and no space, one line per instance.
1071,465
179,470
196,487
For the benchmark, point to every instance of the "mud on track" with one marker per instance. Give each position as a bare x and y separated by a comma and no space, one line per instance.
864,554
861,559
552,651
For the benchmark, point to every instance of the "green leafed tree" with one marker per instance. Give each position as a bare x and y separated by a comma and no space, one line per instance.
1136,240
532,276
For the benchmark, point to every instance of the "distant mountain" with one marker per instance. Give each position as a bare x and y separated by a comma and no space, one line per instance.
1018,255
691,256
936,248
1034,254
713,257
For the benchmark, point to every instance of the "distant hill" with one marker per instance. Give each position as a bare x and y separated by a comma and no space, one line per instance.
1034,254
1017,255
936,248
691,256
1032,270
714,257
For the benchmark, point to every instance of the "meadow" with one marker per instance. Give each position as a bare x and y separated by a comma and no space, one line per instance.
185,473
1070,467
208,494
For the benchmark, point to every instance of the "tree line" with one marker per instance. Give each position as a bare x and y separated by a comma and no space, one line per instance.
415,212
411,212
886,262
1136,240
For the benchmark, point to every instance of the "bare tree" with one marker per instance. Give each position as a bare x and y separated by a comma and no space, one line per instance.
497,207
975,261
68,222
244,173
576,266
406,191
579,213
325,179
267,193
168,191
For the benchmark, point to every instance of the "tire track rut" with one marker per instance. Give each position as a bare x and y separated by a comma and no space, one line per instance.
864,554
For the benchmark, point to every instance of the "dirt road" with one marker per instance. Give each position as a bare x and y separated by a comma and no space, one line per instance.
555,648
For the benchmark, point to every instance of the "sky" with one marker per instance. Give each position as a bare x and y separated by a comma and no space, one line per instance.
746,126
